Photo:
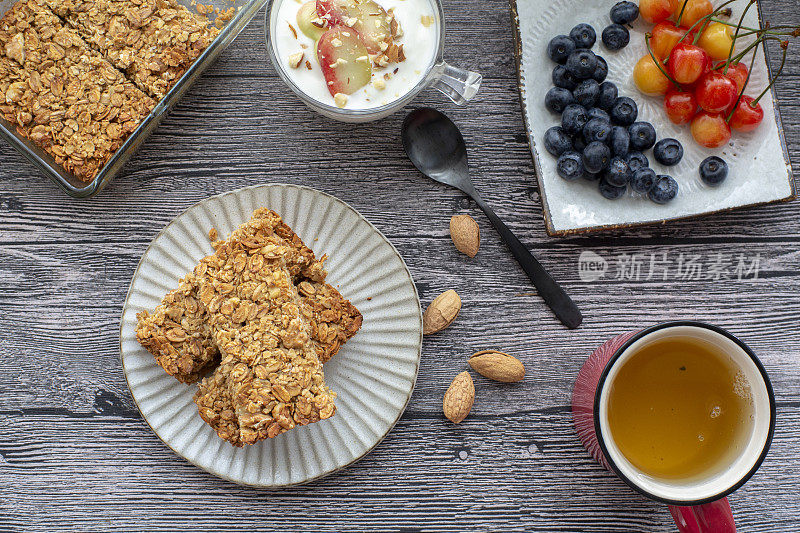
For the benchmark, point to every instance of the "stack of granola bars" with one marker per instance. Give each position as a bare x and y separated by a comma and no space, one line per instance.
258,316
78,76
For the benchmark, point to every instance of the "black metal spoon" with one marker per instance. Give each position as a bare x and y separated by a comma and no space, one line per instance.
436,147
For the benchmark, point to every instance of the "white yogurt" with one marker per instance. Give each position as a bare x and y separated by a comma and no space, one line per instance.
420,25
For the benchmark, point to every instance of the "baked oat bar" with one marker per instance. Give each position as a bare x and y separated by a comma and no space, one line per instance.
61,94
269,362
178,335
153,41
334,320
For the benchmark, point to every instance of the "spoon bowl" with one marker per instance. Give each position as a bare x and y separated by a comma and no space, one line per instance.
435,146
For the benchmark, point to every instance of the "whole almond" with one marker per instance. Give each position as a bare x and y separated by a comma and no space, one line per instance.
466,234
441,312
498,366
459,398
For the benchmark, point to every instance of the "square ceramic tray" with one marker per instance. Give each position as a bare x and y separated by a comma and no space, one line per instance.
79,189
760,171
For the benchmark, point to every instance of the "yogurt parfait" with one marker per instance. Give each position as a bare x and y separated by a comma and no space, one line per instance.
358,60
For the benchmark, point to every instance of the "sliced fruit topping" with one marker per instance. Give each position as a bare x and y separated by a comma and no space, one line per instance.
310,22
344,60
369,19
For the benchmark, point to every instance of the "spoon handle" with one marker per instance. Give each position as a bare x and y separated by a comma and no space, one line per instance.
550,291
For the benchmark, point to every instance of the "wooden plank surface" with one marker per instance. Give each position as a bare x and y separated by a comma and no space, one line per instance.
76,455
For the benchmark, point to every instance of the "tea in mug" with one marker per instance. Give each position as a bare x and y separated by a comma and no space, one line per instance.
680,408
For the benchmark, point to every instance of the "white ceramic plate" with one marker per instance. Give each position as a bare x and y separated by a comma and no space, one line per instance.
373,374
759,167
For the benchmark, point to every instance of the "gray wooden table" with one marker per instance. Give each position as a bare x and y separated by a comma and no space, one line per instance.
75,453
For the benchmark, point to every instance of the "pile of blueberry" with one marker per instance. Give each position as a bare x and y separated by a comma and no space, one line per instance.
599,138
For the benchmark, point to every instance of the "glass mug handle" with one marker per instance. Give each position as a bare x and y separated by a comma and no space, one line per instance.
713,517
457,84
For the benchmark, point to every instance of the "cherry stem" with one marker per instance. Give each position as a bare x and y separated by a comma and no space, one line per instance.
647,37
785,46
680,15
736,35
738,57
785,29
741,93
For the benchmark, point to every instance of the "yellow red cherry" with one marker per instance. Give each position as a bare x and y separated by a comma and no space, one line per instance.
648,78
716,40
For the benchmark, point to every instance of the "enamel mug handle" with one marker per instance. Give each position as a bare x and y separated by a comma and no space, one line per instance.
457,84
714,517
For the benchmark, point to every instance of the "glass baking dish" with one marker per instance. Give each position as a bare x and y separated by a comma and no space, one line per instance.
79,189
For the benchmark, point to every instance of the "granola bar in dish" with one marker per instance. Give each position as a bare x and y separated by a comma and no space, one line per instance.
258,313
63,95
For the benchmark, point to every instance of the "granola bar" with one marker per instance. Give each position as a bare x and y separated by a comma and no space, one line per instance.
333,319
178,335
153,41
61,94
274,376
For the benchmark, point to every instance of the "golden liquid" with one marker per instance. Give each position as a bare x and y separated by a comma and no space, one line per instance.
680,408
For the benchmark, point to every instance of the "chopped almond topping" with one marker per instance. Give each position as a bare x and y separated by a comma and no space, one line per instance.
296,59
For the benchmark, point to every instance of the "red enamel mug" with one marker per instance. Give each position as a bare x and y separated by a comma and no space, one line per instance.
699,505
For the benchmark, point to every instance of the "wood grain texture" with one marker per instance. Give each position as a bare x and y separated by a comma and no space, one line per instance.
76,455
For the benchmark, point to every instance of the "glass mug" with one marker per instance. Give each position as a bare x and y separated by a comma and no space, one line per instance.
457,84
698,504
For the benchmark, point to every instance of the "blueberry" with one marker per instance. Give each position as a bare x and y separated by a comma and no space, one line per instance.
713,170
559,48
664,189
574,119
596,157
624,12
601,72
556,141
583,35
636,161
582,63
570,166
619,141
607,96
562,78
616,37
557,99
618,173
642,180
643,135
586,93
624,111
610,191
597,129
596,112
668,152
